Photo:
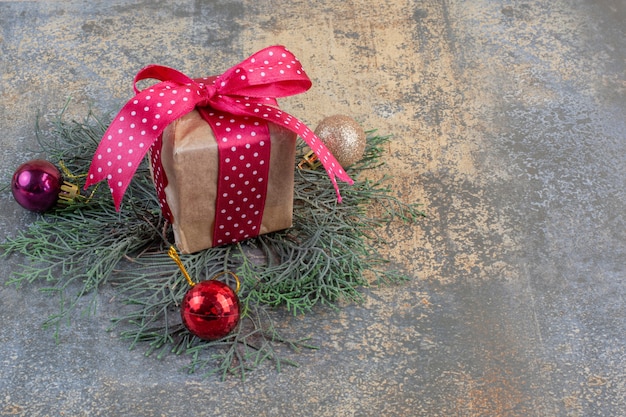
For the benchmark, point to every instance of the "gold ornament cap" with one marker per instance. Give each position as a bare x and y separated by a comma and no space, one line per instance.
344,137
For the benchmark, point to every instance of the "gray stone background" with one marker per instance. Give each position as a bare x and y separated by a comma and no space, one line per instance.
508,123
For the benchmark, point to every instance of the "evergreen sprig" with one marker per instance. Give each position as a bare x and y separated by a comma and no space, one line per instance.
325,258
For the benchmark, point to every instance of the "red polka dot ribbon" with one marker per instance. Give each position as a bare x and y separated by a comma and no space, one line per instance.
238,105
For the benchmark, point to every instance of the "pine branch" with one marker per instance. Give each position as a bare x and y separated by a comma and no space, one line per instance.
324,259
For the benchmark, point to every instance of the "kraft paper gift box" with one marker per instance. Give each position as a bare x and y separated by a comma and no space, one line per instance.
178,119
190,159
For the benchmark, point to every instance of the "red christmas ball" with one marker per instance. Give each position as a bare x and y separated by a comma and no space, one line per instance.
210,310
36,185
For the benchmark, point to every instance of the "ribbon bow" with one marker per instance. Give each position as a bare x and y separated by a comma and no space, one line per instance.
247,90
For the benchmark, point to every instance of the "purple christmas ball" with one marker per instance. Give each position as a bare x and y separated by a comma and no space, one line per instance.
36,185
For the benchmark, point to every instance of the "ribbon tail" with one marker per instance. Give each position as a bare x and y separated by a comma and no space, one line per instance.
331,165
134,131
329,162
117,172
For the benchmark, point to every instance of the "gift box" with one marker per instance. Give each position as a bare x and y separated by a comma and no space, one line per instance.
222,152
190,160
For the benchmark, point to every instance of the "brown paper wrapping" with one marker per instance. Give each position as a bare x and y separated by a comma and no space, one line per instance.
190,160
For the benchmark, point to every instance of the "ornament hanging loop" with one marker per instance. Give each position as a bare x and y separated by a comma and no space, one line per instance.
71,192
232,274
174,255
309,161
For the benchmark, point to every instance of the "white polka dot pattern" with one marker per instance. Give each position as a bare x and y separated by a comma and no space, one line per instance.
244,149
238,105
160,179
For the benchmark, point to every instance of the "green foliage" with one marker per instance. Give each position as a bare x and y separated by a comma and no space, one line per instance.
325,258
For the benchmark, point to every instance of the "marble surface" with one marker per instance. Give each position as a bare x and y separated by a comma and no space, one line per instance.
508,123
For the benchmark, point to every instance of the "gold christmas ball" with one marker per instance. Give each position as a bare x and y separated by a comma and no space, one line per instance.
343,137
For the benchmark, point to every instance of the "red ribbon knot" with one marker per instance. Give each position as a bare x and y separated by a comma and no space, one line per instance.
206,92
